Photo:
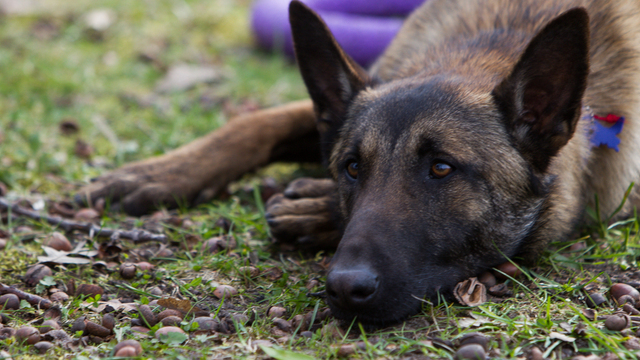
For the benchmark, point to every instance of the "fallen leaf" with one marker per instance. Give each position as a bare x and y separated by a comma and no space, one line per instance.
183,306
558,336
470,292
181,77
62,257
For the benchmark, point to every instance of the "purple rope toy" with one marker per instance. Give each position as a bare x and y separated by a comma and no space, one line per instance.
363,28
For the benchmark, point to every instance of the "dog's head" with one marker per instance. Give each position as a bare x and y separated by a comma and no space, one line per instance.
439,177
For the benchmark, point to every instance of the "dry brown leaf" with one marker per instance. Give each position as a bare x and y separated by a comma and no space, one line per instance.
470,292
183,306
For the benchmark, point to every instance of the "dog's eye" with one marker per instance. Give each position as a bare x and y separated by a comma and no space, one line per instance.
352,169
440,170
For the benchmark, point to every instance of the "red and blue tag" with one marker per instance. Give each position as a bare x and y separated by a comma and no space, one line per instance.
605,134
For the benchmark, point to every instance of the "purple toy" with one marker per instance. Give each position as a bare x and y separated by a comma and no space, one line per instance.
362,35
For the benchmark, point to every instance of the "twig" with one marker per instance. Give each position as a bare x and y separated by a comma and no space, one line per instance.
136,235
34,300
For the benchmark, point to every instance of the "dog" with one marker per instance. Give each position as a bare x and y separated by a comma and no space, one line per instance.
468,143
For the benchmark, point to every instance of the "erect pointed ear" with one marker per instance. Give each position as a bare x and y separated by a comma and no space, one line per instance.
542,97
331,76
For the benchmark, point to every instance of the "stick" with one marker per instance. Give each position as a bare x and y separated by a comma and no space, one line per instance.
136,235
34,300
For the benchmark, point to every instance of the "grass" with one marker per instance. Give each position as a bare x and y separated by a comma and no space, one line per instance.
55,69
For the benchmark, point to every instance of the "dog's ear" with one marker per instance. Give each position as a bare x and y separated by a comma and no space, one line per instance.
542,97
331,76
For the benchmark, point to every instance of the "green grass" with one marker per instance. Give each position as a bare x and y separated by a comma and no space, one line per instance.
102,83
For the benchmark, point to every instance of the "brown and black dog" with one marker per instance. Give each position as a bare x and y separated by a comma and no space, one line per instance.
468,142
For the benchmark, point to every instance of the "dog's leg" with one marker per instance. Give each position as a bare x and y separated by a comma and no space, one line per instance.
306,213
197,171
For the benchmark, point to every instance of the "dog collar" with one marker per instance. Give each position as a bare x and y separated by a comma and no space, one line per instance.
604,128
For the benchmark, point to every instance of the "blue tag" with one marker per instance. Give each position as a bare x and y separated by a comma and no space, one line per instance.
603,135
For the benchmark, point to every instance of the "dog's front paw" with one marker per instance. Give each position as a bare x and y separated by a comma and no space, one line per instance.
305,213
141,187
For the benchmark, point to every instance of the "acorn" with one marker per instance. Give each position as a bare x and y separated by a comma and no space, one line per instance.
57,241
164,331
617,322
507,270
127,270
171,321
130,344
43,346
89,290
9,302
277,312
475,338
618,290
108,321
470,352
147,316
594,300
36,273
28,334
224,291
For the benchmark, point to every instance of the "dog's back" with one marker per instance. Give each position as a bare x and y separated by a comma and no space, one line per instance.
440,31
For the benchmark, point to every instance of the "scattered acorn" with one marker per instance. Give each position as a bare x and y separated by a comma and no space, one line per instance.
49,325
147,316
78,325
276,312
630,310
171,321
164,331
224,291
127,270
89,290
488,279
145,266
617,322
28,334
7,333
282,324
43,346
626,299
108,321
59,296
132,344
535,354
92,328
9,302
250,271
594,300
36,273
471,352
619,290
206,323
57,241
475,338
3,243
507,270
126,351
168,312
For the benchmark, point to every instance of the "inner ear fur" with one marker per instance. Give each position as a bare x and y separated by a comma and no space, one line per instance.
542,97
331,76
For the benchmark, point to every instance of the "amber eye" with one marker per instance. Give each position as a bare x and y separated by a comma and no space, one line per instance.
352,169
440,170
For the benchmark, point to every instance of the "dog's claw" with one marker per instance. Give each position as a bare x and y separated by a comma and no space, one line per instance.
305,214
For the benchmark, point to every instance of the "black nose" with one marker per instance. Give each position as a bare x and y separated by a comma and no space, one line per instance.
351,288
